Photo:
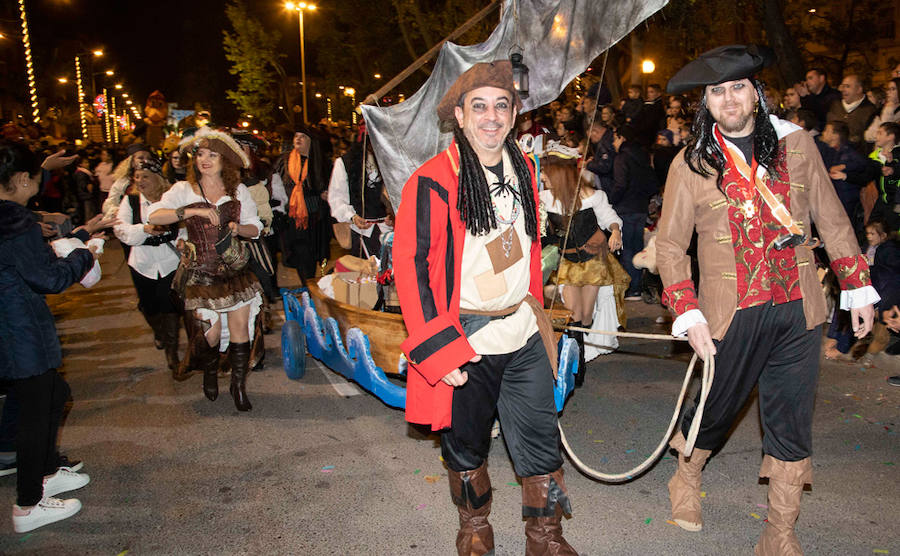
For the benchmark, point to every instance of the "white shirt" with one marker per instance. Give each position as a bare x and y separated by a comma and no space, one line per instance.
484,290
152,261
606,215
339,199
182,194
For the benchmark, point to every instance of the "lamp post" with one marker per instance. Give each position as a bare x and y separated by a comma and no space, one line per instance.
299,8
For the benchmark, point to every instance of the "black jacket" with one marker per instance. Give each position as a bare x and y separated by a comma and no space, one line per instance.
634,180
29,270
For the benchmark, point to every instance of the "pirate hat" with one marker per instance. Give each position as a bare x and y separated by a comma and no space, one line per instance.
484,74
725,63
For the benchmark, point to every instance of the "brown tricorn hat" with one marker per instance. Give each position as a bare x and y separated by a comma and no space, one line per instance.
484,74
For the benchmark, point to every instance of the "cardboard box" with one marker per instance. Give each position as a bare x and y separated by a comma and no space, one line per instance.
356,290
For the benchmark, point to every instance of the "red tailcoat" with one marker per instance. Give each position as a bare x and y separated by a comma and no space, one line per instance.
427,255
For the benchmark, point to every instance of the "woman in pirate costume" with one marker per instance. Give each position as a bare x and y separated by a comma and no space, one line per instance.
587,264
220,289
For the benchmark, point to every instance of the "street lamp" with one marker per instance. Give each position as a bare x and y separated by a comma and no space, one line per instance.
300,7
647,66
63,80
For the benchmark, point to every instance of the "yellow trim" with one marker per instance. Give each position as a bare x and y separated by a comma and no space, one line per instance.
718,204
723,239
799,186
452,162
729,276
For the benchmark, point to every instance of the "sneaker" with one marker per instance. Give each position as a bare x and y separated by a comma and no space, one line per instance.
632,298
72,465
894,380
64,481
7,468
47,511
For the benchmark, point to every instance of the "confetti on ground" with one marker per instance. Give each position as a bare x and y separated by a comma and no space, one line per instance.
629,451
880,551
857,447
420,507
328,469
670,522
512,484
432,478
755,516
888,463
441,458
598,442
417,471
667,457
763,506
702,494
123,553
857,415
648,520
26,537
590,431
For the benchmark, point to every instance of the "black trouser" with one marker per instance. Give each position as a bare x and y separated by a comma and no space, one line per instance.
42,399
767,345
154,296
372,244
519,386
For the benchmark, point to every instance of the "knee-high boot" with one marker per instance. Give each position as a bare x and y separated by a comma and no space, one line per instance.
684,486
170,340
544,501
155,322
471,492
209,362
579,339
240,367
786,480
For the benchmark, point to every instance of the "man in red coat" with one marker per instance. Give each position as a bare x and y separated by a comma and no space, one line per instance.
468,273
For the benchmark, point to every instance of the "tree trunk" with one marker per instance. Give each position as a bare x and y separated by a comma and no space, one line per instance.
790,62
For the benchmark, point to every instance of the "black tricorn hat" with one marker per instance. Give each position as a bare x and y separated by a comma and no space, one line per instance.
725,63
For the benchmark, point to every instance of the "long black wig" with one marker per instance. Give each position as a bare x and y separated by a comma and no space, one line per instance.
474,201
704,155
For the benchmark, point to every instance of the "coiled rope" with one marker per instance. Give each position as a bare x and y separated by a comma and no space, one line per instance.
709,367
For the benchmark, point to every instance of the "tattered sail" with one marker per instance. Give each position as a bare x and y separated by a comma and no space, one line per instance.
558,39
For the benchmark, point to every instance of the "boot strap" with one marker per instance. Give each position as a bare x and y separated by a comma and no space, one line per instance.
468,497
555,495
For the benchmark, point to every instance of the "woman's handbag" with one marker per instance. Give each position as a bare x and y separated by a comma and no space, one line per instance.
233,251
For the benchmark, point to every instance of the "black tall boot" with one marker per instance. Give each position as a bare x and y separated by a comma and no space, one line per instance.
155,322
578,336
169,327
240,367
209,362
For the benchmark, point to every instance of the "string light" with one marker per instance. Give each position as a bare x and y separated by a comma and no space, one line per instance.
106,115
115,123
81,110
29,64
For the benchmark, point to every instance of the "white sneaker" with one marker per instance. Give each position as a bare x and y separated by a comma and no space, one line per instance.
64,481
47,511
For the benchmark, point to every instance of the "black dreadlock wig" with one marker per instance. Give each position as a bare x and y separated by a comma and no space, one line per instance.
703,153
474,201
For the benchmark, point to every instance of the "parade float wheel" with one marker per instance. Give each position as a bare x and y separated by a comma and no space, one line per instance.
293,350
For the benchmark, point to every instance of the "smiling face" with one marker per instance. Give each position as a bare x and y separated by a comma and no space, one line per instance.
732,104
209,162
148,184
486,117
851,89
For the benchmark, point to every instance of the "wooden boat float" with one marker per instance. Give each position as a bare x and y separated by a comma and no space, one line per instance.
364,345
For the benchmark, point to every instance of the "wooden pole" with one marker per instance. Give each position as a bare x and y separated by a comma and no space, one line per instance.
373,98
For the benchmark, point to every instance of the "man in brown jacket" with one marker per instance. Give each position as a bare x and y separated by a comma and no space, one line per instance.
751,185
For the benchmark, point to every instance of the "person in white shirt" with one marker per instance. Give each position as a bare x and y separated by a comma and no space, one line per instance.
137,153
587,267
153,258
219,288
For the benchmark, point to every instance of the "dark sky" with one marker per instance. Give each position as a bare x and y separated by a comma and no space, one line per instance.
171,45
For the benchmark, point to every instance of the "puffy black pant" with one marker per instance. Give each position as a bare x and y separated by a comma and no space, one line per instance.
518,386
154,296
42,399
767,345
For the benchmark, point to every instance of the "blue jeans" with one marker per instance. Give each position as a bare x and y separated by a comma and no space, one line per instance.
632,244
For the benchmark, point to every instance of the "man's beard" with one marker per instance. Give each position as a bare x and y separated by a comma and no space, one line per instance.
737,127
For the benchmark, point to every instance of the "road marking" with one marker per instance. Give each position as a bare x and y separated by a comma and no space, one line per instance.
338,382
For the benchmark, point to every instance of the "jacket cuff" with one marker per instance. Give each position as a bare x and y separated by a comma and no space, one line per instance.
437,348
860,297
852,272
687,320
680,298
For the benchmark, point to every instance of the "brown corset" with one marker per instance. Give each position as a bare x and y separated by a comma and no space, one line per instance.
204,234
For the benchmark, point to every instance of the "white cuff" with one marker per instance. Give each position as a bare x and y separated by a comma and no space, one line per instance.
860,297
687,320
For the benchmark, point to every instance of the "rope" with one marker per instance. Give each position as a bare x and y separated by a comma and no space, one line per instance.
706,383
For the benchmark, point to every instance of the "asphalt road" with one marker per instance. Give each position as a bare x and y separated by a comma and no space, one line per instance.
319,467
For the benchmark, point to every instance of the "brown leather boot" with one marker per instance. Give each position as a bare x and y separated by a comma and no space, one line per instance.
684,486
544,501
169,325
471,492
155,322
209,362
786,480
240,367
